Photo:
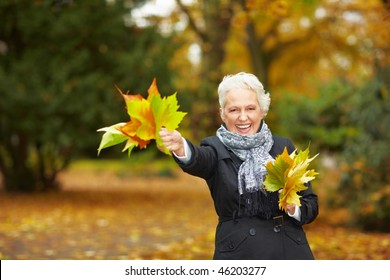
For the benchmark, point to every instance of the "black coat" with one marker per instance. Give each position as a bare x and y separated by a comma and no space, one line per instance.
243,237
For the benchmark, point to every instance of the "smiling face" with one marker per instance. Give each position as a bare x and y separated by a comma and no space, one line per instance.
241,113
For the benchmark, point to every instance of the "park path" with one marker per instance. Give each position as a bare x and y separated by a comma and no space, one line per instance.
104,215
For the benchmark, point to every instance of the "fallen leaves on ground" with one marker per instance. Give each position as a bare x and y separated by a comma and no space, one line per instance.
100,215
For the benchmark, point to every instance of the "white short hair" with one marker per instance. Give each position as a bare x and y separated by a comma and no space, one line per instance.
244,80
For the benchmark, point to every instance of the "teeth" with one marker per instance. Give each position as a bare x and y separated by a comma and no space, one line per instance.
243,126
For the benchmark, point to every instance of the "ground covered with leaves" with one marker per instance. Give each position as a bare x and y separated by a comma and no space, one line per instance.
101,214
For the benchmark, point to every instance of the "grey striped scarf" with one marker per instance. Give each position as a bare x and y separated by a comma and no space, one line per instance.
253,150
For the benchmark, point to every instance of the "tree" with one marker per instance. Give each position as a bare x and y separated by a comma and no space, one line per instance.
365,184
291,43
59,61
210,22
351,117
285,43
320,122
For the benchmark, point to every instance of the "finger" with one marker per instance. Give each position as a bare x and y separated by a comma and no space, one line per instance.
165,135
162,131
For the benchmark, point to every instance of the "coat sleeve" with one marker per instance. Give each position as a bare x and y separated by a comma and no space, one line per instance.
309,200
309,205
203,160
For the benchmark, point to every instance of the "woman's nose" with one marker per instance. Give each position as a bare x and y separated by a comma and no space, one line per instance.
243,116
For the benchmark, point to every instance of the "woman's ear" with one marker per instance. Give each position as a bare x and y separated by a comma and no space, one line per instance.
221,114
263,115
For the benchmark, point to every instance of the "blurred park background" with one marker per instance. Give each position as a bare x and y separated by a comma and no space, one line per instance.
325,63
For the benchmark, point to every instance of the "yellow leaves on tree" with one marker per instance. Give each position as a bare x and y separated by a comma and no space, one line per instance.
289,173
147,116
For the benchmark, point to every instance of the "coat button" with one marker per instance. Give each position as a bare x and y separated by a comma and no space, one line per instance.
299,239
252,231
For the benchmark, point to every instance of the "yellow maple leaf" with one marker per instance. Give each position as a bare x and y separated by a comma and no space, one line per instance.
289,174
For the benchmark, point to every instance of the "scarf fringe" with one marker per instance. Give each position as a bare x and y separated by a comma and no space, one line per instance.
259,204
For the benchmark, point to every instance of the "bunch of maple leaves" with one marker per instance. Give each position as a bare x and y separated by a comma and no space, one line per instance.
289,174
147,116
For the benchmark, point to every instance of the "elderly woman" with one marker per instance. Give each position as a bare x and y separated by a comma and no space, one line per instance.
250,226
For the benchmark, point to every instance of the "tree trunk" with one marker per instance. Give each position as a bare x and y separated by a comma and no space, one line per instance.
259,64
17,174
216,16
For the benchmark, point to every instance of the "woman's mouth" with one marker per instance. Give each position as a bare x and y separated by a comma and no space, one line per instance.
243,127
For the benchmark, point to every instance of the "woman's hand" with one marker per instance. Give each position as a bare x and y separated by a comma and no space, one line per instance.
173,141
290,208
